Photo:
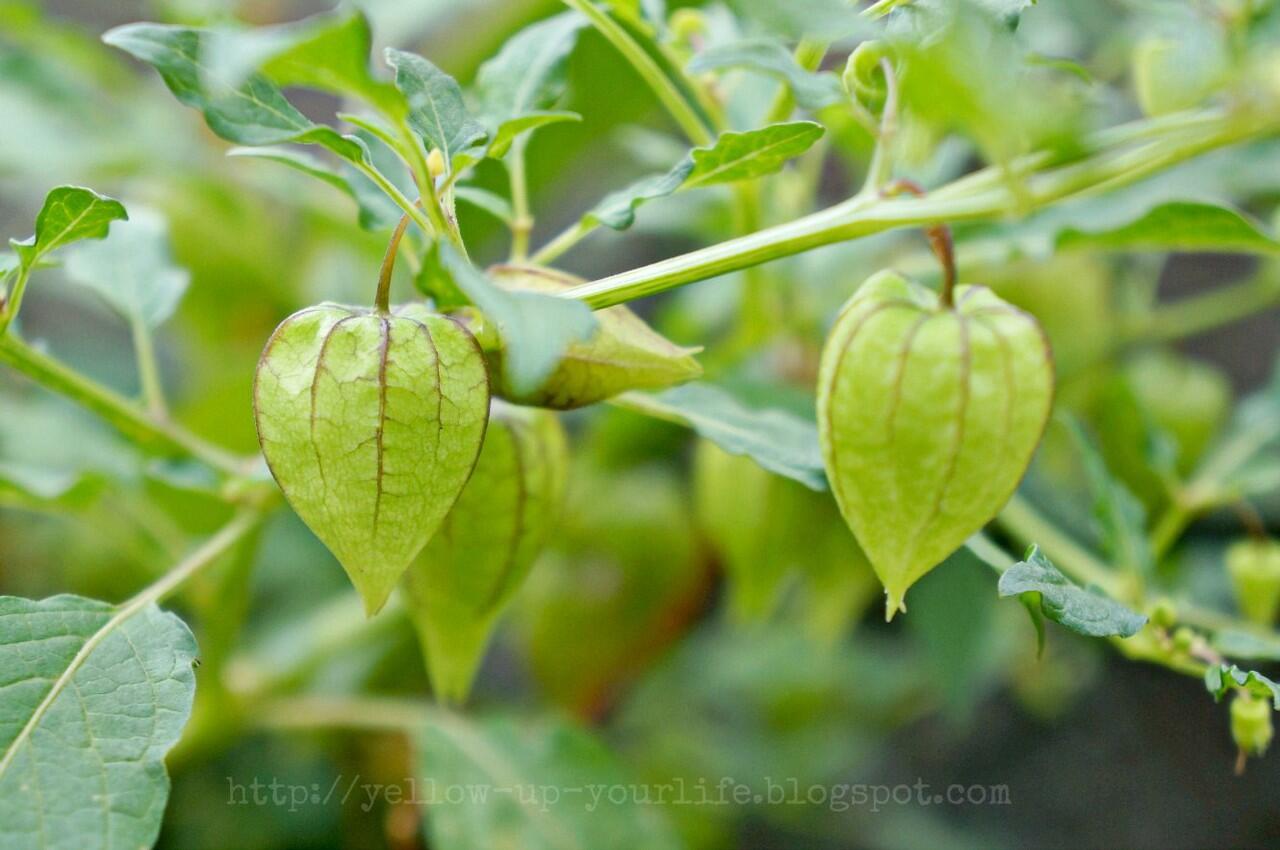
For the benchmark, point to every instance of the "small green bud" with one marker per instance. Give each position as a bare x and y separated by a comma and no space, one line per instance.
928,416
1164,613
687,24
1183,639
624,354
1254,567
1251,724
371,425
863,76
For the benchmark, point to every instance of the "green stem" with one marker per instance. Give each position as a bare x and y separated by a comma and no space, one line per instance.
375,714
382,299
119,412
881,167
522,219
148,370
9,308
672,99
1200,313
570,236
411,209
864,215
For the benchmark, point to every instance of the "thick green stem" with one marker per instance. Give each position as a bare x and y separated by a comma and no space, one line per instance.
10,306
382,299
672,99
1200,313
150,433
865,215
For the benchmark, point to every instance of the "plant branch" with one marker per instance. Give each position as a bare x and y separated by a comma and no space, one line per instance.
864,215
148,370
119,412
375,714
522,219
669,95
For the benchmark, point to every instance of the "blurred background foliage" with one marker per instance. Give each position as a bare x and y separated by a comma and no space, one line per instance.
628,625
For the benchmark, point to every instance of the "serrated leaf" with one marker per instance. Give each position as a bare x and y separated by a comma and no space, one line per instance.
92,701
779,441
132,270
812,90
507,753
1082,611
1221,678
69,214
1121,518
252,112
437,111
526,77
535,329
617,210
1177,226
755,153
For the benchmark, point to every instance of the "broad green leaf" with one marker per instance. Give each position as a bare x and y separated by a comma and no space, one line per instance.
617,210
769,56
502,757
779,441
491,202
535,329
436,109
526,78
755,153
1121,518
91,700
252,112
1221,678
132,270
69,214
1176,226
329,52
1082,611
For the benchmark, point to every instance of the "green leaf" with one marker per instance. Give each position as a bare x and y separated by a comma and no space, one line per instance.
505,758
251,112
1234,643
535,329
508,131
526,78
23,485
92,699
779,441
1223,677
69,214
1176,226
1082,611
376,210
132,270
755,153
617,210
769,56
436,109
491,202
828,20
1120,516
329,52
